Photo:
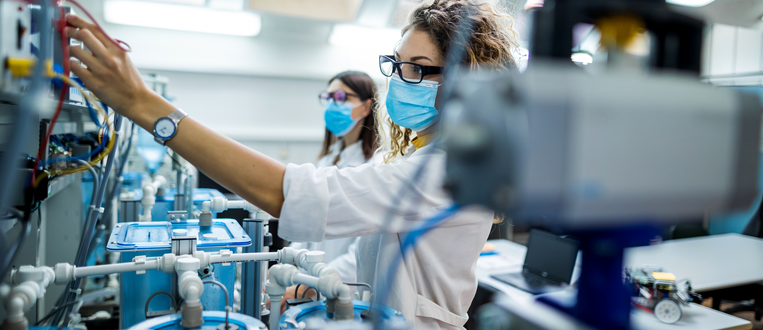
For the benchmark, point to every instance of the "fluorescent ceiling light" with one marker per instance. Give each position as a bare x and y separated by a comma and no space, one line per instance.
356,36
185,2
184,18
690,3
582,58
227,4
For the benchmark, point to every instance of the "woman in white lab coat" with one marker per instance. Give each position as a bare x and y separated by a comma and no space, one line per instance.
436,283
350,140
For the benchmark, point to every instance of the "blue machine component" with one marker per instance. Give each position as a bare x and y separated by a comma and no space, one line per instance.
154,239
212,320
300,313
134,180
131,207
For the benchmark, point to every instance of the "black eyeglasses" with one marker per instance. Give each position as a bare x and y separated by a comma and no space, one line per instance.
339,97
409,72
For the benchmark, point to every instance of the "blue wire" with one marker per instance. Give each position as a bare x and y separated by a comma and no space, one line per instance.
408,242
94,116
92,153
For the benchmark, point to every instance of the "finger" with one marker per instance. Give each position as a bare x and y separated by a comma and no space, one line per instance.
82,24
88,59
90,41
81,72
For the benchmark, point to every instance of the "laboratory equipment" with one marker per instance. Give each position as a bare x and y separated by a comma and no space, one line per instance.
30,283
156,238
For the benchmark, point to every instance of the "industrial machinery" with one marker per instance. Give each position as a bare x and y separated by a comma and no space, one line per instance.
659,293
186,263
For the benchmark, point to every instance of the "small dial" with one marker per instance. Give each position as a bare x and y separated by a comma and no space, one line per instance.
164,128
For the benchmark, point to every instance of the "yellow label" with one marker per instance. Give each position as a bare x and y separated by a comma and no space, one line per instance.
664,276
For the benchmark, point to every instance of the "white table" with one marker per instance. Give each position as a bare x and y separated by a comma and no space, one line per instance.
711,262
511,257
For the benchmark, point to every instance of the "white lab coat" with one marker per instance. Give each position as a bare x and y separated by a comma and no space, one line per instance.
435,285
340,252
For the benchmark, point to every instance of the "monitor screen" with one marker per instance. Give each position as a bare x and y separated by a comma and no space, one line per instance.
551,256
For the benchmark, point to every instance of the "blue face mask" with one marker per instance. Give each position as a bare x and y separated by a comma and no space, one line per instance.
412,105
339,118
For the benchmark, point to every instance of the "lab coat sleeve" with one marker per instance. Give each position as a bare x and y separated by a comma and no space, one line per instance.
345,263
328,203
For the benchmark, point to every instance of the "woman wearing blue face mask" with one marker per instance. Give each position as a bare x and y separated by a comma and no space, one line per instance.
349,104
435,284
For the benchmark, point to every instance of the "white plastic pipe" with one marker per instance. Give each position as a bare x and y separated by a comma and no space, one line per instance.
304,279
275,312
220,204
113,268
149,197
242,257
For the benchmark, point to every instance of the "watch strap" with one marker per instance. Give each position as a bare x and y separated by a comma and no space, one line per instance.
177,115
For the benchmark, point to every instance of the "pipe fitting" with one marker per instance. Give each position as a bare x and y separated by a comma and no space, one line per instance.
167,263
191,315
64,273
288,255
344,310
149,197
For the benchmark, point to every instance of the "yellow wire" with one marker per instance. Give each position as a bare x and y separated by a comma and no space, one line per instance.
100,156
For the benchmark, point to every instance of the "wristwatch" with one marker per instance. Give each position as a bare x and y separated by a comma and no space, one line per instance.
165,128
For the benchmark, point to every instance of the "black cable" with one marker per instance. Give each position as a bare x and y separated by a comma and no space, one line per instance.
296,291
172,299
55,310
308,289
227,299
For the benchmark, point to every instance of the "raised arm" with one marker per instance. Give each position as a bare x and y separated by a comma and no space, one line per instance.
109,73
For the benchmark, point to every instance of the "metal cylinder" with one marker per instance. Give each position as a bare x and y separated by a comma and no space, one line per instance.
251,274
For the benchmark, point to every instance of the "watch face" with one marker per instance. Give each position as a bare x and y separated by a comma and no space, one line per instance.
164,128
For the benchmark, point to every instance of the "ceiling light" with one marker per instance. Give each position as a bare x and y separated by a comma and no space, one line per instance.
180,17
356,36
690,3
582,58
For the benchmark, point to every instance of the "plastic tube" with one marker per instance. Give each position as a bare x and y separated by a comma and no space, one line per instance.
304,279
242,257
275,312
115,268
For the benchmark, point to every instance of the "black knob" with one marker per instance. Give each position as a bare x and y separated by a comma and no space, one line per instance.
268,239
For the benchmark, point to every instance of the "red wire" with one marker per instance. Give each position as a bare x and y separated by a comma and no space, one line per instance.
62,24
119,43
65,51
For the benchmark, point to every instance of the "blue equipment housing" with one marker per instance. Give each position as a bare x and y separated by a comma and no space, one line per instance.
212,320
154,239
300,313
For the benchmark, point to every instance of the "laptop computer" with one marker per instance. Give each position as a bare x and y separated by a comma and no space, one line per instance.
549,264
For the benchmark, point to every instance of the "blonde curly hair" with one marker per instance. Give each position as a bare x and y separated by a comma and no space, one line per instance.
492,45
